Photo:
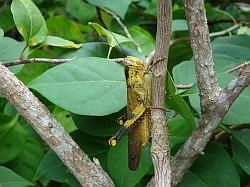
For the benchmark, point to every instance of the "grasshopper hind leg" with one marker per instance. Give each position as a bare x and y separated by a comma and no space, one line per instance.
134,148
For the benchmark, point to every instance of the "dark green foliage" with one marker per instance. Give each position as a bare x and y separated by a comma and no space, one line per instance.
88,94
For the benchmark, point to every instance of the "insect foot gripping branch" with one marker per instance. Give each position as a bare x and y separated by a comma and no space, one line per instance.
137,120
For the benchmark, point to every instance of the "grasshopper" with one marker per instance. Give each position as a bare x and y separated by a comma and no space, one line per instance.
136,121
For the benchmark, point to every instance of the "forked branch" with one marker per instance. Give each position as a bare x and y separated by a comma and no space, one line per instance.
215,101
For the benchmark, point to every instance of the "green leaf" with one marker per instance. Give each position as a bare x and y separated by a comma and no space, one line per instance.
27,161
118,164
6,123
100,49
179,130
80,10
10,179
241,148
30,71
224,59
51,168
98,125
144,38
176,102
60,42
214,168
118,7
178,53
1,34
244,30
179,25
10,49
6,21
62,27
29,21
10,133
65,119
152,9
90,86
112,38
92,49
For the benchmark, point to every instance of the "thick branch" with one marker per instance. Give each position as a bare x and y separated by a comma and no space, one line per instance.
159,132
36,60
215,102
208,122
45,124
200,43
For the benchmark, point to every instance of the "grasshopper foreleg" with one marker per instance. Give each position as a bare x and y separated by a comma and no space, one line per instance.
129,122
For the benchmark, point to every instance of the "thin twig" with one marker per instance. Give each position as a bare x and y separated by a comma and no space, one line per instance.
183,86
149,59
119,21
36,60
238,67
223,32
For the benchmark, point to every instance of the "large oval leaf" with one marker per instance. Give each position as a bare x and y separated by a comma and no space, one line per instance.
1,34
241,148
60,42
144,39
99,125
10,179
27,161
29,21
10,50
118,7
214,168
63,27
10,133
224,59
85,86
112,38
80,10
117,161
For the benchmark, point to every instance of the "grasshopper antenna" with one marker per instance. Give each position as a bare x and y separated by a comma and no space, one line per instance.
124,53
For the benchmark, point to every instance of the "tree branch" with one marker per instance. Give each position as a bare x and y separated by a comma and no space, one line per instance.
208,122
159,132
223,32
50,130
238,67
215,102
36,60
202,52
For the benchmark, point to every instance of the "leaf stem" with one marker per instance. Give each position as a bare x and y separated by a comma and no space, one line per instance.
226,129
21,54
109,52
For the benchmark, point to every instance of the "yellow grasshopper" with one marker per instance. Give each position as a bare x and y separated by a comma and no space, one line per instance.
136,121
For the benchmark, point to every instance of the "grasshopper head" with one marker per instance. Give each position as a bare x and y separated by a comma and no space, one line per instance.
135,63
